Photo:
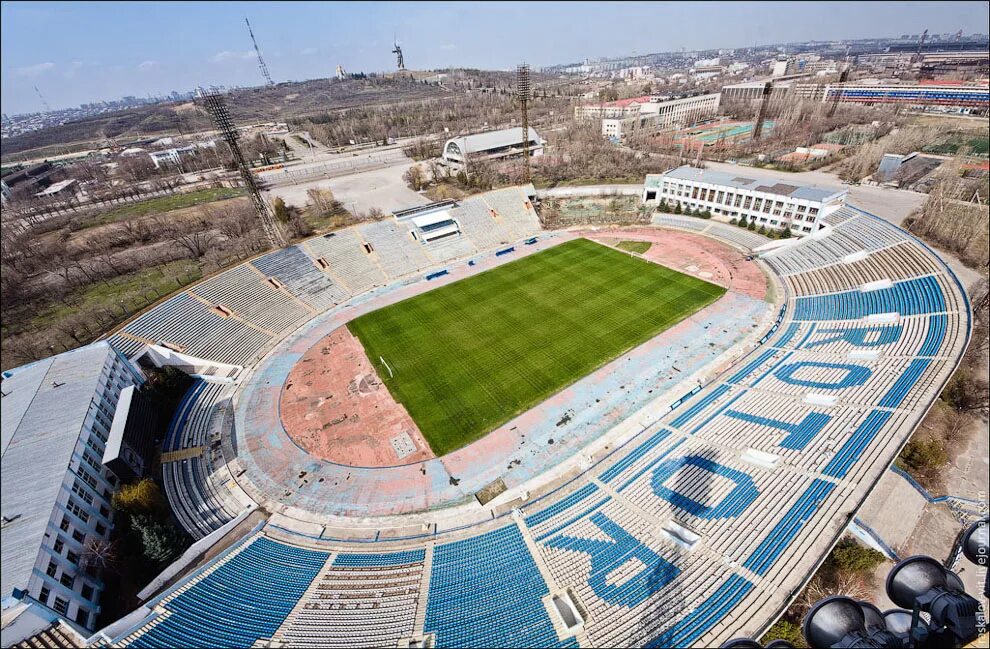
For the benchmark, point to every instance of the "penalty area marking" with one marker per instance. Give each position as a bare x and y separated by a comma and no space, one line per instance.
390,375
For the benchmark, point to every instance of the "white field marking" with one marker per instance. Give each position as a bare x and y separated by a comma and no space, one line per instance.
390,375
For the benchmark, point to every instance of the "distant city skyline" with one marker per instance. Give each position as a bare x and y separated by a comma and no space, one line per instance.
78,53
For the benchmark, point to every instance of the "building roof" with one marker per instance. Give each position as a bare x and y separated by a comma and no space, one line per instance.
480,142
44,407
57,187
741,181
622,103
827,146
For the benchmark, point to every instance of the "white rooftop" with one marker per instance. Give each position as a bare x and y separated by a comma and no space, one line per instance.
480,142
779,186
44,407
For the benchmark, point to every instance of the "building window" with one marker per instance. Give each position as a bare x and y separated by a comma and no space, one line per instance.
58,545
43,595
78,536
88,478
77,489
91,462
67,580
64,525
748,202
82,617
757,204
72,557
74,507
61,606
813,211
87,592
719,198
52,569
105,512
738,201
101,529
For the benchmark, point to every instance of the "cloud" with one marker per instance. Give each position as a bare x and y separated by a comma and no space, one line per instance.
227,56
448,46
71,69
147,65
35,70
309,51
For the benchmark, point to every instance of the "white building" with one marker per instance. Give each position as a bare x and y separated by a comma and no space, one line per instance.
615,109
56,419
61,189
174,155
663,114
775,204
495,145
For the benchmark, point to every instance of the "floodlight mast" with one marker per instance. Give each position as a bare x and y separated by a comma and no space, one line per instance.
257,51
220,115
523,92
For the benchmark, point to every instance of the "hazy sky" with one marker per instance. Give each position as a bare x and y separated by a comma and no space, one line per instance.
82,52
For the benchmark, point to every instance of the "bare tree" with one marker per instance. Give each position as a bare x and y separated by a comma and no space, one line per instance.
99,553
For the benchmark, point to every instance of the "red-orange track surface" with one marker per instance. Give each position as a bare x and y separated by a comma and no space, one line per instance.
334,407
695,255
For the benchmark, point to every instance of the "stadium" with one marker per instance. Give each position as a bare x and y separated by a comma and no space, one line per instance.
452,427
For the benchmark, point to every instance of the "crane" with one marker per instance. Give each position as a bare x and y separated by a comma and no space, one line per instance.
921,44
42,98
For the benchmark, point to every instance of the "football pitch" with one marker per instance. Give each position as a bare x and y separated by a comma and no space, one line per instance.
467,357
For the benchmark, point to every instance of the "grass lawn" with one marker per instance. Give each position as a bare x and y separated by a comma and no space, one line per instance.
469,356
133,291
638,247
164,204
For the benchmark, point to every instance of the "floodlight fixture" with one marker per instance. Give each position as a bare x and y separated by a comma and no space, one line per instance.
975,544
904,624
741,643
976,548
922,584
780,644
841,622
872,615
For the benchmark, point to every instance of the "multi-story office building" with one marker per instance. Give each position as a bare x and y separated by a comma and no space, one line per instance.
614,109
56,419
663,114
773,204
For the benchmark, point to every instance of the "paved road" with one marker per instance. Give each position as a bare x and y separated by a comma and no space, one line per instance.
383,188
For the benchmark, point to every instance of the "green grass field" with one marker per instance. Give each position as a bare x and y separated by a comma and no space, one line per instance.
469,356
638,247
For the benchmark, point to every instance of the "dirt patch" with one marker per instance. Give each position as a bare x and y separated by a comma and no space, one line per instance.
696,255
334,406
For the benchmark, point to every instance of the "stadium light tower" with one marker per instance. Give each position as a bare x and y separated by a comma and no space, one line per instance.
523,91
261,61
217,108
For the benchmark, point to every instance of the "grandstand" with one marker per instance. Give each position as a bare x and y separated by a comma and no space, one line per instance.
694,519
